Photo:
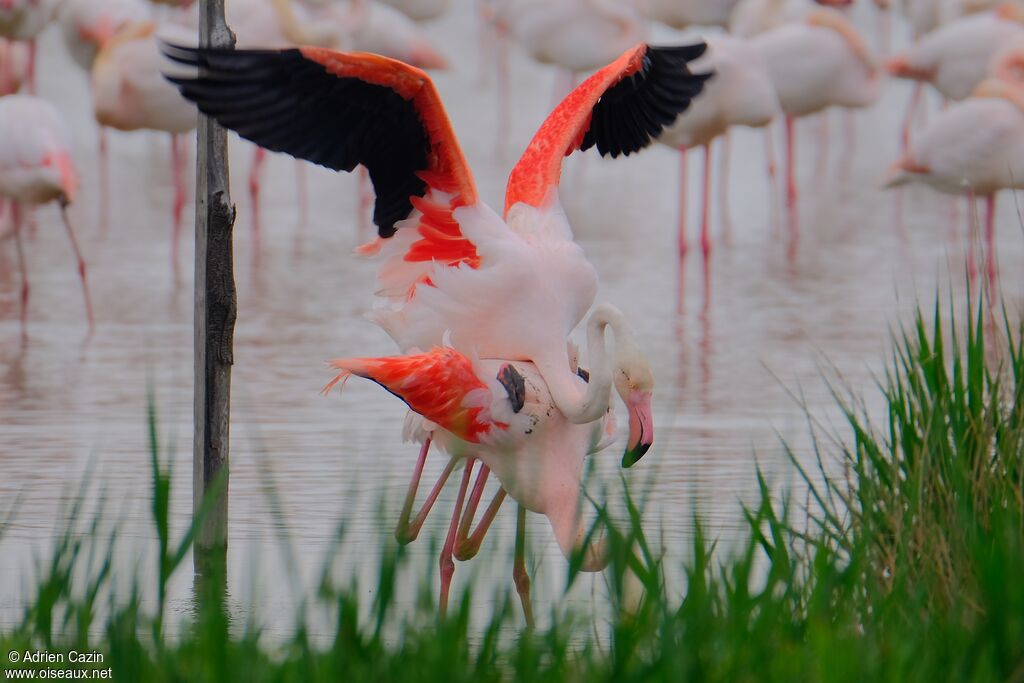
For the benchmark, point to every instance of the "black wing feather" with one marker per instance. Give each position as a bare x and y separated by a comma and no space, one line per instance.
635,110
287,103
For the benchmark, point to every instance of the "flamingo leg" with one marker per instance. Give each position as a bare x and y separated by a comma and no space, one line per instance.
823,140
519,574
259,160
406,531
908,118
81,265
16,226
468,545
791,187
850,124
705,222
682,202
990,244
301,190
723,188
177,170
104,172
447,562
972,232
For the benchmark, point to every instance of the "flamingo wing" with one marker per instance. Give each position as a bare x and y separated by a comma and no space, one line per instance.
337,110
441,385
619,110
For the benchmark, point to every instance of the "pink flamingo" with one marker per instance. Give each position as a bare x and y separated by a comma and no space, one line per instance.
975,147
36,168
815,64
955,57
25,20
514,287
502,414
130,94
740,94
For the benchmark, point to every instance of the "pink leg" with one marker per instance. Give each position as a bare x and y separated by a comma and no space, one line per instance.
259,160
447,563
682,202
850,124
81,266
705,227
468,545
16,225
908,118
972,234
990,244
791,188
519,574
104,172
723,189
406,531
177,170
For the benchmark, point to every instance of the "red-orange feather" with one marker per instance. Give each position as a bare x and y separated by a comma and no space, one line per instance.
540,167
434,384
447,171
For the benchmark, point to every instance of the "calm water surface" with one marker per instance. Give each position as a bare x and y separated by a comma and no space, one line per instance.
727,366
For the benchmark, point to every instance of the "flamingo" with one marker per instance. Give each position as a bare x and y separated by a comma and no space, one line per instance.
815,64
25,20
955,57
502,414
577,36
740,94
36,168
513,287
681,14
87,25
130,94
516,286
975,147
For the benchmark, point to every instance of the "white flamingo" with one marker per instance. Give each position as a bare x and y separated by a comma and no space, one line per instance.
36,167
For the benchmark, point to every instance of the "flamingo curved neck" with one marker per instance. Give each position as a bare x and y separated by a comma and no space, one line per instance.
581,407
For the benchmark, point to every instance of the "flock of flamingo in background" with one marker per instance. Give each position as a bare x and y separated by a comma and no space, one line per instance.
481,304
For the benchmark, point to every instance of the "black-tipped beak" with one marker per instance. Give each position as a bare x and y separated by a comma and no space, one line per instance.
641,427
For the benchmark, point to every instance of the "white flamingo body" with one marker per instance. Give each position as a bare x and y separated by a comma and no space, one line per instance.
380,28
502,311
577,35
974,146
35,157
129,90
814,67
955,57
741,93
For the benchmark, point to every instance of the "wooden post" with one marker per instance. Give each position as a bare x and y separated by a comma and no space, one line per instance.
215,310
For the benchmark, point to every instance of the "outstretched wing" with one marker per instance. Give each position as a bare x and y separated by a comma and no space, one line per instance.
440,385
337,110
619,110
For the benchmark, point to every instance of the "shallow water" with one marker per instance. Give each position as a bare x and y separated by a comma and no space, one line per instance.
729,365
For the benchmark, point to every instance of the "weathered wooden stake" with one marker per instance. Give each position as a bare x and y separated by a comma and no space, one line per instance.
215,310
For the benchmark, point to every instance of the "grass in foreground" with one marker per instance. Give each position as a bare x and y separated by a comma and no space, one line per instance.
910,568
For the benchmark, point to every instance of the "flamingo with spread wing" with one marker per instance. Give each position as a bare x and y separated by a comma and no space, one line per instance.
510,286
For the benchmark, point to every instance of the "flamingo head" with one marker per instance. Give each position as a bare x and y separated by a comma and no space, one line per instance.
634,383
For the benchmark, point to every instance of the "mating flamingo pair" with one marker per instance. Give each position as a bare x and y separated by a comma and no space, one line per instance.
505,289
